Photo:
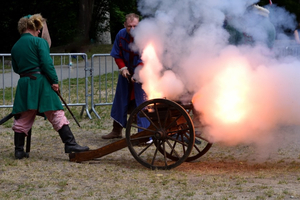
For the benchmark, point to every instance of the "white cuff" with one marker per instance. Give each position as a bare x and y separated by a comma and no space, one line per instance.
123,68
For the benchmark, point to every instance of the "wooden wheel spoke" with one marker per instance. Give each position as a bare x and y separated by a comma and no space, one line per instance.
173,123
173,150
178,141
158,117
142,128
187,136
170,132
144,149
196,147
167,117
182,139
203,138
144,114
173,147
139,138
154,156
165,156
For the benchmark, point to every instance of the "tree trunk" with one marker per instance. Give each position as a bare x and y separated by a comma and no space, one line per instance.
85,17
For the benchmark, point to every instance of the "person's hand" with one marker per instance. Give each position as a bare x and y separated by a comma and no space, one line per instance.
55,87
124,72
133,79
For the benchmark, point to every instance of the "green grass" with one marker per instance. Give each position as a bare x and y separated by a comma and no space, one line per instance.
6,65
99,49
73,94
6,94
5,68
103,86
90,50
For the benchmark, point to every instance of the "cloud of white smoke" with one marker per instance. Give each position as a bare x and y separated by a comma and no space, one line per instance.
243,92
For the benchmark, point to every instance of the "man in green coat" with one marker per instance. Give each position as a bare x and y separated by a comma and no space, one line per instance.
37,87
253,28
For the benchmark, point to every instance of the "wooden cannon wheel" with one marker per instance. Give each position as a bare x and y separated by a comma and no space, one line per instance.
169,125
171,129
201,145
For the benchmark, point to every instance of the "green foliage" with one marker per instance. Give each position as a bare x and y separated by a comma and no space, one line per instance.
118,9
293,6
61,19
99,16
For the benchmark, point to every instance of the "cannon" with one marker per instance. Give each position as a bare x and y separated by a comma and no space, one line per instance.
172,131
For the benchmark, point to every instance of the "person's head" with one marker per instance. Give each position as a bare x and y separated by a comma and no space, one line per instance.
131,21
31,24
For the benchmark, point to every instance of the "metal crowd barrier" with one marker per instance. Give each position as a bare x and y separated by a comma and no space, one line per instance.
105,71
8,79
287,50
100,78
70,68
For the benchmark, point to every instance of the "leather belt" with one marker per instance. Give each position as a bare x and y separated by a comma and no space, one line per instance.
30,75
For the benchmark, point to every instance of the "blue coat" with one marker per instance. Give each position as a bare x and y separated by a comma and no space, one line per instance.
122,96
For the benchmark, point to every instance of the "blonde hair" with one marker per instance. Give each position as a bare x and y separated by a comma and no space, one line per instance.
33,22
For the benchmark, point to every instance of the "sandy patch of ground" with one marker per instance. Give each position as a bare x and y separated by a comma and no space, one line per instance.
271,171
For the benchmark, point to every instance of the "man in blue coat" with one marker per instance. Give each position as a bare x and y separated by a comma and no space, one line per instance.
129,94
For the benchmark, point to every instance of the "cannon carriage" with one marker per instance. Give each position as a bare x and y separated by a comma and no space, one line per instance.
172,131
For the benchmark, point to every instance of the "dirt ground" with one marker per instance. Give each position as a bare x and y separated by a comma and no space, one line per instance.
269,171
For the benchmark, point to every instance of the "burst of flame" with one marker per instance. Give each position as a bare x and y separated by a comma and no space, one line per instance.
231,87
226,98
231,101
151,70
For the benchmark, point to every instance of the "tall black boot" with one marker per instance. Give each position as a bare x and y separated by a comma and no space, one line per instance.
19,141
68,139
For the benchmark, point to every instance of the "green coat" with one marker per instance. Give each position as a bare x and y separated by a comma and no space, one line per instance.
263,26
31,54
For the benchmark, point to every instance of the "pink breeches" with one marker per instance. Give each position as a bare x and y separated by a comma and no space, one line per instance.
25,121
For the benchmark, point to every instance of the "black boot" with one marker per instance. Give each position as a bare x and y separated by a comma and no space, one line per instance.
19,146
68,139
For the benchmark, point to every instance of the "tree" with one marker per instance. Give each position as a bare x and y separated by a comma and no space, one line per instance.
118,10
61,18
293,6
84,19
71,22
100,19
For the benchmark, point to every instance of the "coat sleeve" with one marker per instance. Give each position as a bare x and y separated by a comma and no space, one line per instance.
47,65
